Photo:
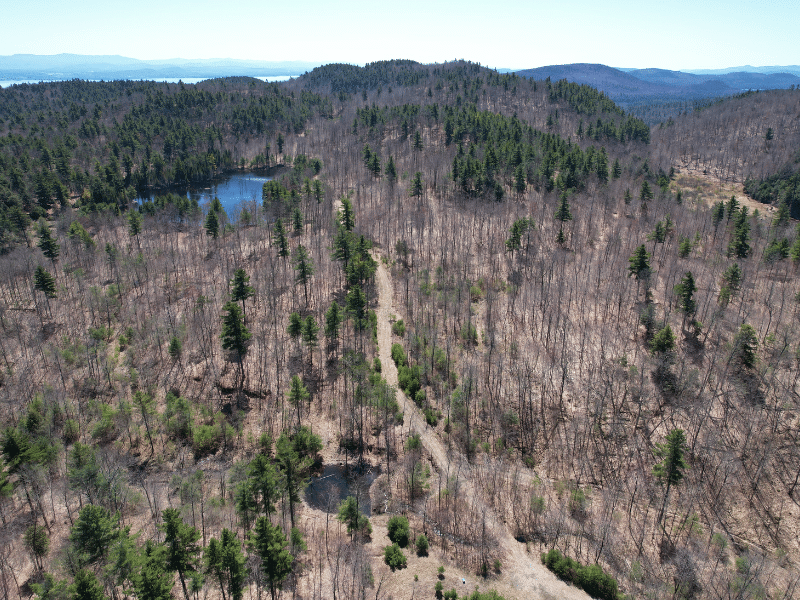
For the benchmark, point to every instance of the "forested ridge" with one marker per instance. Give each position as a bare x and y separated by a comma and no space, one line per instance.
569,362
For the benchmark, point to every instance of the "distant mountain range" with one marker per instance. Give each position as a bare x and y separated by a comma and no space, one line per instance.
70,66
635,86
628,87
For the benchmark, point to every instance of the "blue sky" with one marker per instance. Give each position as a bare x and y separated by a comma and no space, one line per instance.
621,33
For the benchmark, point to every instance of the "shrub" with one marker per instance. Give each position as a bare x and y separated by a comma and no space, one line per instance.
178,417
432,416
475,293
469,334
438,589
105,429
376,365
398,530
356,522
399,328
592,579
422,545
175,348
72,431
577,503
394,557
420,397
596,583
398,355
408,378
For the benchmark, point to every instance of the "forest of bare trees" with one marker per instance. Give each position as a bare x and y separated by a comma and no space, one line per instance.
585,356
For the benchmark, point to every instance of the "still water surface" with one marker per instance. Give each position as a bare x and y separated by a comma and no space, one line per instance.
188,80
337,482
233,190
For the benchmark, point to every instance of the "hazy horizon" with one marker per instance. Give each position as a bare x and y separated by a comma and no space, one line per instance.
511,35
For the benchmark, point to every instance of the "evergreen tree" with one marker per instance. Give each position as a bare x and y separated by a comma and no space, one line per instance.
357,307
745,345
391,170
645,194
93,532
281,240
417,144
739,245
212,224
519,180
49,246
732,207
44,282
562,213
319,192
182,550
663,341
350,515
304,267
732,278
225,561
333,320
375,165
37,543
297,221
86,587
52,589
616,170
297,395
561,238
671,469
659,234
343,246
685,291
292,468
628,197
776,250
518,229
295,328
794,252
265,482
234,334
310,334
346,215
639,264
416,185
151,580
134,224
241,289
270,543
684,247
717,214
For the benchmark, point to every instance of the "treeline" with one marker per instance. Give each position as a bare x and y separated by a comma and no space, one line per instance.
349,79
780,187
464,82
494,151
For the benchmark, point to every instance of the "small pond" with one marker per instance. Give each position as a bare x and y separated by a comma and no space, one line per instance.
337,482
233,190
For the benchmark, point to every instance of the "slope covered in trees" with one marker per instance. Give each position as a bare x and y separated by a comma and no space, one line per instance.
596,368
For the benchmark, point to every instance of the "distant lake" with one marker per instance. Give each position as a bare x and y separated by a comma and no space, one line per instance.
233,191
188,80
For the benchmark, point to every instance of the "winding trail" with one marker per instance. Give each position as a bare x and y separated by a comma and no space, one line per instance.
524,572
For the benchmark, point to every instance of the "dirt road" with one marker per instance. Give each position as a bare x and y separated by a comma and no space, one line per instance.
524,573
